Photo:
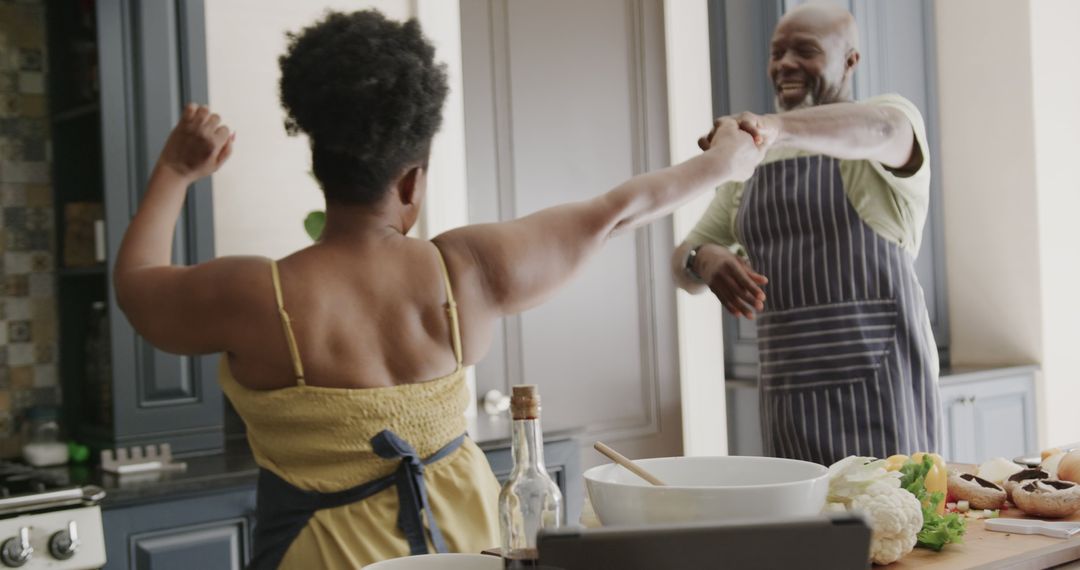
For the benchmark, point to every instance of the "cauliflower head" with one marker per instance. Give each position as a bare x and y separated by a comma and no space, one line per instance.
895,515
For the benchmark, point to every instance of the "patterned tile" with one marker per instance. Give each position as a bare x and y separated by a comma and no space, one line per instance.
42,308
20,354
15,218
37,196
10,104
39,218
31,105
16,286
22,399
44,353
24,172
19,331
42,286
10,148
43,330
32,82
22,377
47,397
13,195
19,309
40,261
31,59
45,376
16,240
35,150
39,240
17,261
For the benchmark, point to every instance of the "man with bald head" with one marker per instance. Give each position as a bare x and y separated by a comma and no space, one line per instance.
820,244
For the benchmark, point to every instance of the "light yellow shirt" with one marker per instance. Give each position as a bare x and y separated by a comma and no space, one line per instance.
895,206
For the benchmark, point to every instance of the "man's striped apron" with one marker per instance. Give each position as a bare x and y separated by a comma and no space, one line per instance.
848,363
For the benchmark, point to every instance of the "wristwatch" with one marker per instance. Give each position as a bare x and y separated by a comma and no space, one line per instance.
691,256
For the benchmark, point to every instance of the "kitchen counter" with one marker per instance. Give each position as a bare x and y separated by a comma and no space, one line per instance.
236,468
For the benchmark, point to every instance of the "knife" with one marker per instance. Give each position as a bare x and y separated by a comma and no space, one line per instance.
1055,529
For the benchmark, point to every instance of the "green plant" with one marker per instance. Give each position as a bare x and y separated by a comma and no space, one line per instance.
314,224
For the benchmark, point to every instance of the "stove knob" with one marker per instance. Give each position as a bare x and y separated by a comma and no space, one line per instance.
64,543
17,551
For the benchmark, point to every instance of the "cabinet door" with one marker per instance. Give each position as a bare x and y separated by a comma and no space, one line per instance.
219,546
546,125
958,439
986,418
1004,418
563,463
152,61
207,532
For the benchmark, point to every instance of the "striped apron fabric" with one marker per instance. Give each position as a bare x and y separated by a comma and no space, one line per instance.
847,361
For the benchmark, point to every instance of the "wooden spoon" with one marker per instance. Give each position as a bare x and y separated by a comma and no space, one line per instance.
630,465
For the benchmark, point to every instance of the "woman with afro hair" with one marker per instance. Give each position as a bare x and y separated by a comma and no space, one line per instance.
346,359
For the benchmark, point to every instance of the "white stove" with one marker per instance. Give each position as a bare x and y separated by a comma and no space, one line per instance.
46,523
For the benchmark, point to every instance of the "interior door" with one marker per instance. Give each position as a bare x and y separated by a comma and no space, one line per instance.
564,100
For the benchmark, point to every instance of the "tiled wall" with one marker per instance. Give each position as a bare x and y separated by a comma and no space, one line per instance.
28,315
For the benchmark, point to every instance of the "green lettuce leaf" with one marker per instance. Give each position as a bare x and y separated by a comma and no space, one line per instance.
938,530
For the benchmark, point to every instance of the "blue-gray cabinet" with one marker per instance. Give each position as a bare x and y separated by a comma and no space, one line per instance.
985,413
208,532
150,61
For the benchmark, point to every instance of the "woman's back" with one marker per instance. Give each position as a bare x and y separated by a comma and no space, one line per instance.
365,313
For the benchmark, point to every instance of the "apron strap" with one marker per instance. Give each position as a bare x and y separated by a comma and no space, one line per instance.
282,510
412,491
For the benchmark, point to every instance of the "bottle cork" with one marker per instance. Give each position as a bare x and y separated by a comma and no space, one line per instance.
525,402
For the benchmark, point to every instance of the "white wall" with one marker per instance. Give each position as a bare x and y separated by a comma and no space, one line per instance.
1008,123
1057,122
263,194
988,181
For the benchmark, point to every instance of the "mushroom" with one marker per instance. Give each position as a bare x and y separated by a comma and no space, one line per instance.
1022,477
1048,498
978,492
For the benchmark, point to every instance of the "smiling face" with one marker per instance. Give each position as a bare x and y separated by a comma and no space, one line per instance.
813,57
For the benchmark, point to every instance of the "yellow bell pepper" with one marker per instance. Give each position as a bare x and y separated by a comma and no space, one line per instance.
937,480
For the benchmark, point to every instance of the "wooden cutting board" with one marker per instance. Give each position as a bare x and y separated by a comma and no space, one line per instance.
987,549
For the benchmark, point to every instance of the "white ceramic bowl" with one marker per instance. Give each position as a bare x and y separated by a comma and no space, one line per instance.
701,489
440,562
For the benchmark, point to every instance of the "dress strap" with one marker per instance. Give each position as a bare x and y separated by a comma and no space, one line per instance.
286,323
451,309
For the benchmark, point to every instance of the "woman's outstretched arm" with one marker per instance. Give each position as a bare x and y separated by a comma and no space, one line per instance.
508,267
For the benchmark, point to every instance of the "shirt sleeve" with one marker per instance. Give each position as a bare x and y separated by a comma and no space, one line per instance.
717,224
910,189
